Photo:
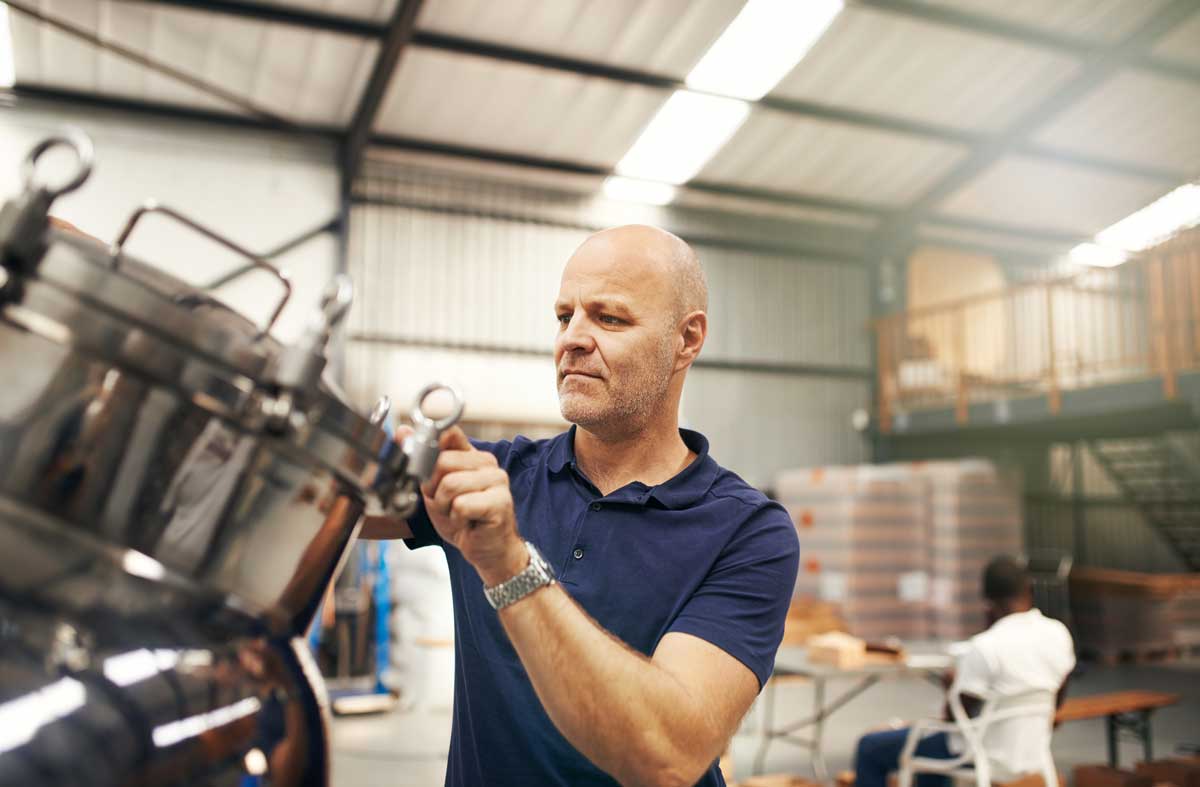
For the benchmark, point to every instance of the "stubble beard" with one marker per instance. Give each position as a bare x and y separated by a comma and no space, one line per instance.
630,404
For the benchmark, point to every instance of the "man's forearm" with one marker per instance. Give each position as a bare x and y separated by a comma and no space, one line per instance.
629,716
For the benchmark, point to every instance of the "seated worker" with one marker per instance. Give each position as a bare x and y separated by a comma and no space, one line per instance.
1021,651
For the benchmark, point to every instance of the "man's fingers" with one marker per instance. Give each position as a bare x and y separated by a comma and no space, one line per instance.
454,461
479,506
466,481
455,439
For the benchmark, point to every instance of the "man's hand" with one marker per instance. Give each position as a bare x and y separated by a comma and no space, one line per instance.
470,504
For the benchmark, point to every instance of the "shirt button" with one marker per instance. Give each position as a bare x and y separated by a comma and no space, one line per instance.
596,506
578,553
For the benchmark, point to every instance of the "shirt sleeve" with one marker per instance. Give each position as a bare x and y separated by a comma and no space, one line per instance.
973,674
423,532
742,603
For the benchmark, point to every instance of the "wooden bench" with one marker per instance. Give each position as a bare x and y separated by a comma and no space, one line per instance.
1123,711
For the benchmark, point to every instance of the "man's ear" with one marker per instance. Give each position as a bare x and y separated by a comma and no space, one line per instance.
693,329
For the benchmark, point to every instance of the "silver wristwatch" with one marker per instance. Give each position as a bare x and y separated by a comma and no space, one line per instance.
536,575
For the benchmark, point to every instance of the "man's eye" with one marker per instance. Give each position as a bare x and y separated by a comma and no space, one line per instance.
608,319
563,319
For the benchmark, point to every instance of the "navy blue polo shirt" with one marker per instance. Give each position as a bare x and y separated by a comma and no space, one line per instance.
704,553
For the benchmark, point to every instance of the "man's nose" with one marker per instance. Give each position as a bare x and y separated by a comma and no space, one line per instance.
576,336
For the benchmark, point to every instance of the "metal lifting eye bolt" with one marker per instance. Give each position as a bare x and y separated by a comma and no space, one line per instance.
420,420
72,138
422,447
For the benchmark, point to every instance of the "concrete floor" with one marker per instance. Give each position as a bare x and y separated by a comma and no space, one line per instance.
402,749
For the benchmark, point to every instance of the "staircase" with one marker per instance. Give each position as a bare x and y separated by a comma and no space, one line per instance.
1160,475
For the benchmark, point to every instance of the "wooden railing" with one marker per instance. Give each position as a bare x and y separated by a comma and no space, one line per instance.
1135,321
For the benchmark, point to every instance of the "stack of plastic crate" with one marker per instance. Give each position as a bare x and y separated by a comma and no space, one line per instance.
862,545
974,515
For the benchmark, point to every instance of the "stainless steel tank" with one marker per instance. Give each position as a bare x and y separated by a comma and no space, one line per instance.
177,489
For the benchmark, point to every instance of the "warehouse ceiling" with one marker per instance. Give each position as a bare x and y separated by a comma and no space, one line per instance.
1023,124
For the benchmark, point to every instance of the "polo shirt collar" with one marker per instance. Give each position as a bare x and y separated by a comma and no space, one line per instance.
681,491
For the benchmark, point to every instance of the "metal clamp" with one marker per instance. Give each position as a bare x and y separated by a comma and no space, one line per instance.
152,206
85,153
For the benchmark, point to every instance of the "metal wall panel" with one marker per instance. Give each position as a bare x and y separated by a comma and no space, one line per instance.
471,277
1114,533
1115,536
778,309
759,424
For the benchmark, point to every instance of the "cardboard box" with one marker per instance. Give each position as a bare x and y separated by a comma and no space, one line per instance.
840,650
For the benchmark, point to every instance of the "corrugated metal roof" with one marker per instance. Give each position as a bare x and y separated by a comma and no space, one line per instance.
1039,194
869,60
1182,44
513,107
1094,20
779,151
1137,116
375,10
664,36
301,75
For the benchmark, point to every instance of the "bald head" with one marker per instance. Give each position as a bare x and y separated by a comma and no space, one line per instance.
665,253
631,315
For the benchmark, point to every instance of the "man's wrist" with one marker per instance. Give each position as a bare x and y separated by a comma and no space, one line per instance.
512,562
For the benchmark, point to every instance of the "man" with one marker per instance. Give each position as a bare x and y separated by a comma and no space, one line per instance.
673,575
1021,651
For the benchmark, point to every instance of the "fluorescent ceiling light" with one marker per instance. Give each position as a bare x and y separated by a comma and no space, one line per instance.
1142,230
8,69
633,190
761,45
1099,256
682,137
1156,222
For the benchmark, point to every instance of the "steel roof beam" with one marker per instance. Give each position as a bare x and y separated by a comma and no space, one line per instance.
319,21
400,32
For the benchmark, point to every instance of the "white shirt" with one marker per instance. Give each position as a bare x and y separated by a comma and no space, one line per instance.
1021,653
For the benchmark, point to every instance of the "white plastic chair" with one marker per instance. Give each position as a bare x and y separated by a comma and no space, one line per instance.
1035,707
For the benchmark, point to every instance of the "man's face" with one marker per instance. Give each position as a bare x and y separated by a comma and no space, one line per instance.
615,349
